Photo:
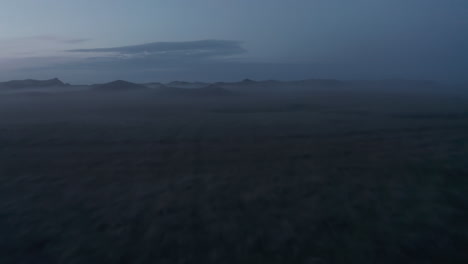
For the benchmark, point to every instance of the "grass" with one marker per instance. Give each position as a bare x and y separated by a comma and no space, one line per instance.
136,180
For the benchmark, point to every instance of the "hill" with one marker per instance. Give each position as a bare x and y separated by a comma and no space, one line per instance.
30,83
210,90
119,85
188,85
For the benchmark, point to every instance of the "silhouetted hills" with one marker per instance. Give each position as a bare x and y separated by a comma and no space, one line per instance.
248,81
396,83
313,83
29,83
210,90
321,82
213,90
177,83
154,85
182,84
226,88
119,85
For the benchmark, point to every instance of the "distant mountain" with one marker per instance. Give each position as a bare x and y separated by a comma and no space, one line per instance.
213,89
119,86
225,88
321,82
210,90
177,83
248,81
180,84
29,83
251,83
154,85
409,84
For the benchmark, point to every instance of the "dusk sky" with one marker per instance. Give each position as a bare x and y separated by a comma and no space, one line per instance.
208,40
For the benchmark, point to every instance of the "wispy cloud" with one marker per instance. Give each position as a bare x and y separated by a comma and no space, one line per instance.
37,46
136,60
59,39
201,48
189,60
44,38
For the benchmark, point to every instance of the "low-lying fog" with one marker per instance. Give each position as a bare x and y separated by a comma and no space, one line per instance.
314,171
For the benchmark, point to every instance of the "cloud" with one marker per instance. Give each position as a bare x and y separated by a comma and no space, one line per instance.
211,60
146,61
37,46
44,38
156,57
201,48
58,39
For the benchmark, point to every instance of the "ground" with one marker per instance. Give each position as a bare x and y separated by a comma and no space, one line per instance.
327,176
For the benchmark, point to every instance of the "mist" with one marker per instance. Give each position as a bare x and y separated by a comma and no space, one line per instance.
233,132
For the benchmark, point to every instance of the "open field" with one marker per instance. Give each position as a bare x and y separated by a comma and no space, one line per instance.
320,176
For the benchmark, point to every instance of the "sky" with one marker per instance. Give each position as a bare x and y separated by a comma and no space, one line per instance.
90,41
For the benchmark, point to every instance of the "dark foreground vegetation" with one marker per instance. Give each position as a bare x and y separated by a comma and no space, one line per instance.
247,175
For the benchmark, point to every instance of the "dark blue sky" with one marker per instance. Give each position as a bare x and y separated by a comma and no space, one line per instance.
161,40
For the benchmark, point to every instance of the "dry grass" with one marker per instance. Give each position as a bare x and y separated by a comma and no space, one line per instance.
132,180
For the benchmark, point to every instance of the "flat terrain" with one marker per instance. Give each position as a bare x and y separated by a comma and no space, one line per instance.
323,176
